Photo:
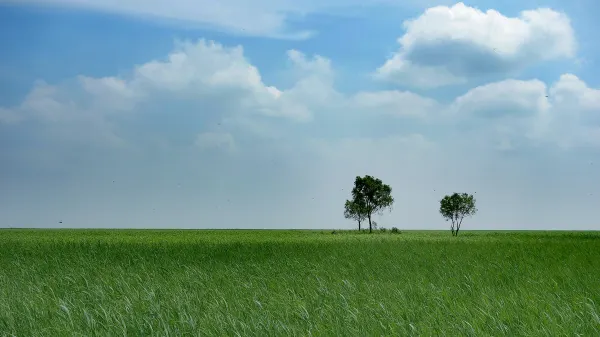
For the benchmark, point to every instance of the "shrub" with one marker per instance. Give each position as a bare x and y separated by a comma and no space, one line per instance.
383,229
395,230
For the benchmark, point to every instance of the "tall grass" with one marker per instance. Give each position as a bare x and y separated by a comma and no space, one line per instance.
263,283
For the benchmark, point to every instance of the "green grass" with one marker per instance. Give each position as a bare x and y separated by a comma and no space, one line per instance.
267,283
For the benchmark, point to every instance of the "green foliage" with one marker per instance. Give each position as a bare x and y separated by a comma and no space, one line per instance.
395,230
373,195
297,283
455,208
353,209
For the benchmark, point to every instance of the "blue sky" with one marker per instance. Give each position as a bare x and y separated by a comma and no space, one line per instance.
259,114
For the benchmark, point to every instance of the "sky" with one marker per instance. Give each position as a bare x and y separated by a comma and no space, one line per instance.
260,114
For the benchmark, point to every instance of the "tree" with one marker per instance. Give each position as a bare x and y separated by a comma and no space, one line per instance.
353,210
373,195
456,207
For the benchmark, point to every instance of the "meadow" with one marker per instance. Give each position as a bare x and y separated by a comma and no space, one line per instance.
298,283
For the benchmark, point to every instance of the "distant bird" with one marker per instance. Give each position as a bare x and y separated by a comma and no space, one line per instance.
60,222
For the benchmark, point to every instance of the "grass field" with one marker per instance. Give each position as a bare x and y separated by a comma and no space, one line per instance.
265,283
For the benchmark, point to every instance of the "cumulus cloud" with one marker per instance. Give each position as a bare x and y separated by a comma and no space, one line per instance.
504,114
575,116
211,90
314,79
207,89
570,90
205,81
515,113
292,151
449,45
508,98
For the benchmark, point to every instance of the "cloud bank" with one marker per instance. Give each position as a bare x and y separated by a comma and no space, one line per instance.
197,139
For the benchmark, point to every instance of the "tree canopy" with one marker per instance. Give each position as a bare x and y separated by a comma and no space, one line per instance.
372,195
455,208
355,211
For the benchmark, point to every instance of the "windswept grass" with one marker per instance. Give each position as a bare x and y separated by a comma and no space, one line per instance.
267,283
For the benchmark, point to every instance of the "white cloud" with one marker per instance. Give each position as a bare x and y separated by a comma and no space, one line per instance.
317,65
200,88
205,98
570,90
45,102
575,116
395,103
111,93
194,72
512,98
209,89
239,16
314,80
207,69
513,113
402,71
504,115
449,45
242,17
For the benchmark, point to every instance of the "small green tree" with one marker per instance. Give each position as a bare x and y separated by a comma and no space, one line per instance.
353,210
455,208
373,195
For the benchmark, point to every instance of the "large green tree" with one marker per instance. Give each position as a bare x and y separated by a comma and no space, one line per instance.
355,211
455,208
373,195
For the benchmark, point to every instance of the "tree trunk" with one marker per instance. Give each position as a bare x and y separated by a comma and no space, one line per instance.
359,225
458,223
370,226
